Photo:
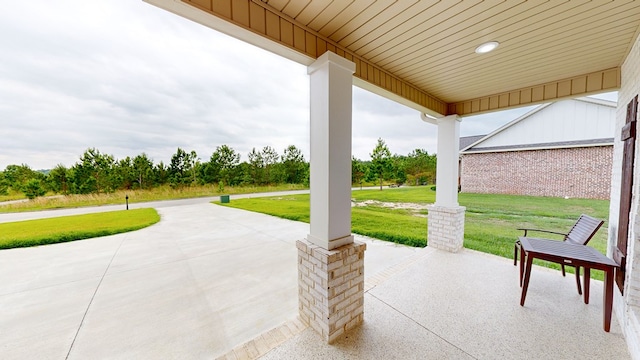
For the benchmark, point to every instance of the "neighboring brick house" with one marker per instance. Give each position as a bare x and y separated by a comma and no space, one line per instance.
561,149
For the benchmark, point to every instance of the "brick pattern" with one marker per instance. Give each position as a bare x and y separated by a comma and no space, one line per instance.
331,287
446,227
573,172
628,310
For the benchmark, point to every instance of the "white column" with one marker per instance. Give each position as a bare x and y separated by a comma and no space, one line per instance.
330,263
447,168
446,217
331,103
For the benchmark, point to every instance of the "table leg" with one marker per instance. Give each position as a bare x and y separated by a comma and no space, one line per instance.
587,284
527,276
522,259
608,298
578,280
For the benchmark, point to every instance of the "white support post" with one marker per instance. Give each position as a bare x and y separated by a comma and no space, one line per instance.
446,217
331,104
448,155
330,263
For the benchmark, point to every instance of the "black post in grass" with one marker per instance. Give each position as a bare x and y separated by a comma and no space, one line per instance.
126,198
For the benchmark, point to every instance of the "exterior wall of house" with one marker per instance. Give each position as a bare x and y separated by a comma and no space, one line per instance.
573,172
627,308
568,120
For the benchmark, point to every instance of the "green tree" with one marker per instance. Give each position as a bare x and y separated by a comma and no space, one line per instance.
160,174
256,166
358,171
143,171
33,188
243,174
398,166
124,174
4,184
94,173
17,176
182,168
420,167
57,179
380,161
294,165
194,165
270,159
223,164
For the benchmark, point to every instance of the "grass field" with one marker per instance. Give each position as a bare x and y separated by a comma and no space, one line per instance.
135,196
70,228
491,221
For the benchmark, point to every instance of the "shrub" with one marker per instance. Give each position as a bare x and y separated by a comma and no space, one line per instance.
33,188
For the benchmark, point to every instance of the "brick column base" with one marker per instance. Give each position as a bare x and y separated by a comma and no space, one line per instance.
446,227
331,287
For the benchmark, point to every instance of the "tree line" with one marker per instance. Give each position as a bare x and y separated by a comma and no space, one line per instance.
96,172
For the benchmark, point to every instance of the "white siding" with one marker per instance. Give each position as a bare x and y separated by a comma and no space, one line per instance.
569,120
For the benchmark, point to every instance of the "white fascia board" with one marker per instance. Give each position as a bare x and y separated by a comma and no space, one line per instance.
596,101
201,17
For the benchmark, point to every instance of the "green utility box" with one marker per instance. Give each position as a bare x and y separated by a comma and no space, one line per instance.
224,199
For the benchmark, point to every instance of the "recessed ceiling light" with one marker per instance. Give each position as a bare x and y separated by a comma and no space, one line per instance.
486,47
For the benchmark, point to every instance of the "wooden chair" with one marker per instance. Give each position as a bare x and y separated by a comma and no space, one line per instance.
582,231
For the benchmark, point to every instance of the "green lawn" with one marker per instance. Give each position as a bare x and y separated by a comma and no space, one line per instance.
70,228
491,221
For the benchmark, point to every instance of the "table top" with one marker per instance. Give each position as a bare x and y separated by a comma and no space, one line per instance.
563,249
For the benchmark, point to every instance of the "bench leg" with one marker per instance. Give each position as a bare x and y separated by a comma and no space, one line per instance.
578,280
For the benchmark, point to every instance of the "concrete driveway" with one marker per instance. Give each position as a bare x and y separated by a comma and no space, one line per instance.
202,281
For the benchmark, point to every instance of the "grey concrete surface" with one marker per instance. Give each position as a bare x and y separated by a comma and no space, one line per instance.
467,306
203,280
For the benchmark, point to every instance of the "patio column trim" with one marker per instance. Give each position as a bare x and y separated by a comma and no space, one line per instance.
331,103
446,217
330,262
447,167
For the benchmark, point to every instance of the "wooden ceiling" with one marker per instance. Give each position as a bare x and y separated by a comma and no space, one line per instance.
421,52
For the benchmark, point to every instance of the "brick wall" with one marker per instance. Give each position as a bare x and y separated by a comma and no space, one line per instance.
572,172
331,287
446,227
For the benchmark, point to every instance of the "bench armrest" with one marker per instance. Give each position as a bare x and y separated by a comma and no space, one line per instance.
544,231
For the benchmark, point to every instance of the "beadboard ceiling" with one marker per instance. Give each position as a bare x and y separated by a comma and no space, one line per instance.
548,49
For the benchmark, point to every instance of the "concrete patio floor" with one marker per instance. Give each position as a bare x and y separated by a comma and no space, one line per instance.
209,281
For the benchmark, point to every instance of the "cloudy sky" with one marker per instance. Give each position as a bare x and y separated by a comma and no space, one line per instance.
126,77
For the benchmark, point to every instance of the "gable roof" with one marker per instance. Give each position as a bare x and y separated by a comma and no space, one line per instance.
570,123
469,140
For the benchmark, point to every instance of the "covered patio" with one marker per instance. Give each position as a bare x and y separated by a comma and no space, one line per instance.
194,286
431,56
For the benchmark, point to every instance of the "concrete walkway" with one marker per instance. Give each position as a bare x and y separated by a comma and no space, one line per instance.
197,284
210,281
